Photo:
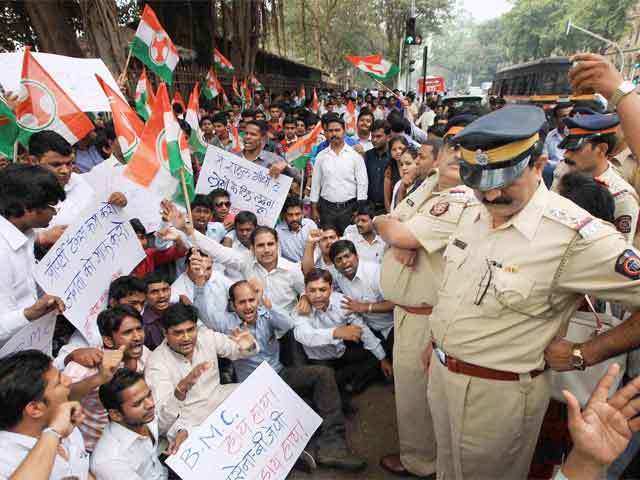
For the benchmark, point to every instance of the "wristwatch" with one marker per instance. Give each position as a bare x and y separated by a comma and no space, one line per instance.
624,89
577,359
54,432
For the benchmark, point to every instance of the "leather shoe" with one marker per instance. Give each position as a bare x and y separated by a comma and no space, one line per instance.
393,464
339,458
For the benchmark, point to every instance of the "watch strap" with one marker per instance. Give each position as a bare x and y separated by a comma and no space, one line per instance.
624,89
53,432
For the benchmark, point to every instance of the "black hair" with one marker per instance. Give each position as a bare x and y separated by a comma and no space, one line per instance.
436,145
191,252
291,201
217,193
219,117
48,141
201,200
155,277
586,192
328,118
310,120
209,118
364,112
248,113
236,101
397,121
178,313
21,382
381,124
609,139
102,143
261,124
245,216
289,119
232,289
329,226
110,320
263,229
318,274
124,286
177,108
341,246
365,208
27,187
399,138
138,227
111,393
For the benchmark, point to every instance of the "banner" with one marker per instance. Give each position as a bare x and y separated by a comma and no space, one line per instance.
37,335
249,185
99,247
431,84
76,76
257,433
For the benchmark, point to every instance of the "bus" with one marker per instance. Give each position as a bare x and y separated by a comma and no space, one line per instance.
541,82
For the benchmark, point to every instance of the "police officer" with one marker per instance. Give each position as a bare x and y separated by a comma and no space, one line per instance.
517,263
413,288
588,142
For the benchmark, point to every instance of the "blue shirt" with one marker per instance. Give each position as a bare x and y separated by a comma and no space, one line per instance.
264,331
87,159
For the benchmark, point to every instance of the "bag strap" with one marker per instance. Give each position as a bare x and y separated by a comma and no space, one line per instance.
560,269
599,324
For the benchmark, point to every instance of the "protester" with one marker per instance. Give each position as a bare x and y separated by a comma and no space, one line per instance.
155,256
376,161
398,145
368,243
294,231
158,298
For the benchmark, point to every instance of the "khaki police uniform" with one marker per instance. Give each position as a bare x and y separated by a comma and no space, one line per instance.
496,313
626,165
413,290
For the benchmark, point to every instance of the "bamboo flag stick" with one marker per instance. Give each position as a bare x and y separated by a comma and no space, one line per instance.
185,194
123,75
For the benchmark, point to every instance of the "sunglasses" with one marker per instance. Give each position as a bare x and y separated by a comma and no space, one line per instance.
223,204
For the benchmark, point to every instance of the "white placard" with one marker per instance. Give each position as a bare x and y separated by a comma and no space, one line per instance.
37,335
257,433
249,185
76,76
99,247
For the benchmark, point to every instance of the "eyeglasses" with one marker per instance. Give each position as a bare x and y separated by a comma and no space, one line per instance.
223,204
485,281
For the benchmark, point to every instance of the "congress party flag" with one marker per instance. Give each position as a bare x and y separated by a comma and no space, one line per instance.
126,122
43,105
177,98
234,87
212,86
255,83
196,140
221,62
226,104
144,96
299,153
153,47
350,118
8,129
149,166
315,105
375,66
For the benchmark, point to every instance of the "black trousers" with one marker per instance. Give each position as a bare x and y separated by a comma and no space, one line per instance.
387,343
340,215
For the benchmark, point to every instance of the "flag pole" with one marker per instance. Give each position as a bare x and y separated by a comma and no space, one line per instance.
386,88
185,194
15,151
126,67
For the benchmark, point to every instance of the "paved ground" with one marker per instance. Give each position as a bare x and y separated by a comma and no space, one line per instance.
371,433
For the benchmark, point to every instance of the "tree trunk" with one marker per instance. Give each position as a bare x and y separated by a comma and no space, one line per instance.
100,20
303,18
52,22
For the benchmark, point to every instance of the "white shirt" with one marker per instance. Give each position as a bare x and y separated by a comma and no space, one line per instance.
365,287
292,243
339,177
282,285
79,195
17,285
122,454
230,272
315,331
368,252
14,447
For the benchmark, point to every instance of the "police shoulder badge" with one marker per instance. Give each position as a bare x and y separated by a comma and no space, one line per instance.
628,264
439,209
481,157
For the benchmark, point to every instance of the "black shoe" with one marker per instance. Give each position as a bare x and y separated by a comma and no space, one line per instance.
340,458
305,463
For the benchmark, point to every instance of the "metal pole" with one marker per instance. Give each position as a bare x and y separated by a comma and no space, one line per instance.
408,73
398,84
425,57
571,25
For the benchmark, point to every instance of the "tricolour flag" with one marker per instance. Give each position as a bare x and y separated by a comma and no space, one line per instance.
299,153
235,136
149,166
153,46
196,140
126,122
234,87
212,86
302,96
315,105
43,105
255,83
177,98
221,62
375,66
350,118
246,93
144,96
226,104
8,129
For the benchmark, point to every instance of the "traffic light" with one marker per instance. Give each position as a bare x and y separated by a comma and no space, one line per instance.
410,31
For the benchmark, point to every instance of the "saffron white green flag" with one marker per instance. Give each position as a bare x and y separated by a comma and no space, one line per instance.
196,141
153,46
222,62
375,66
144,96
